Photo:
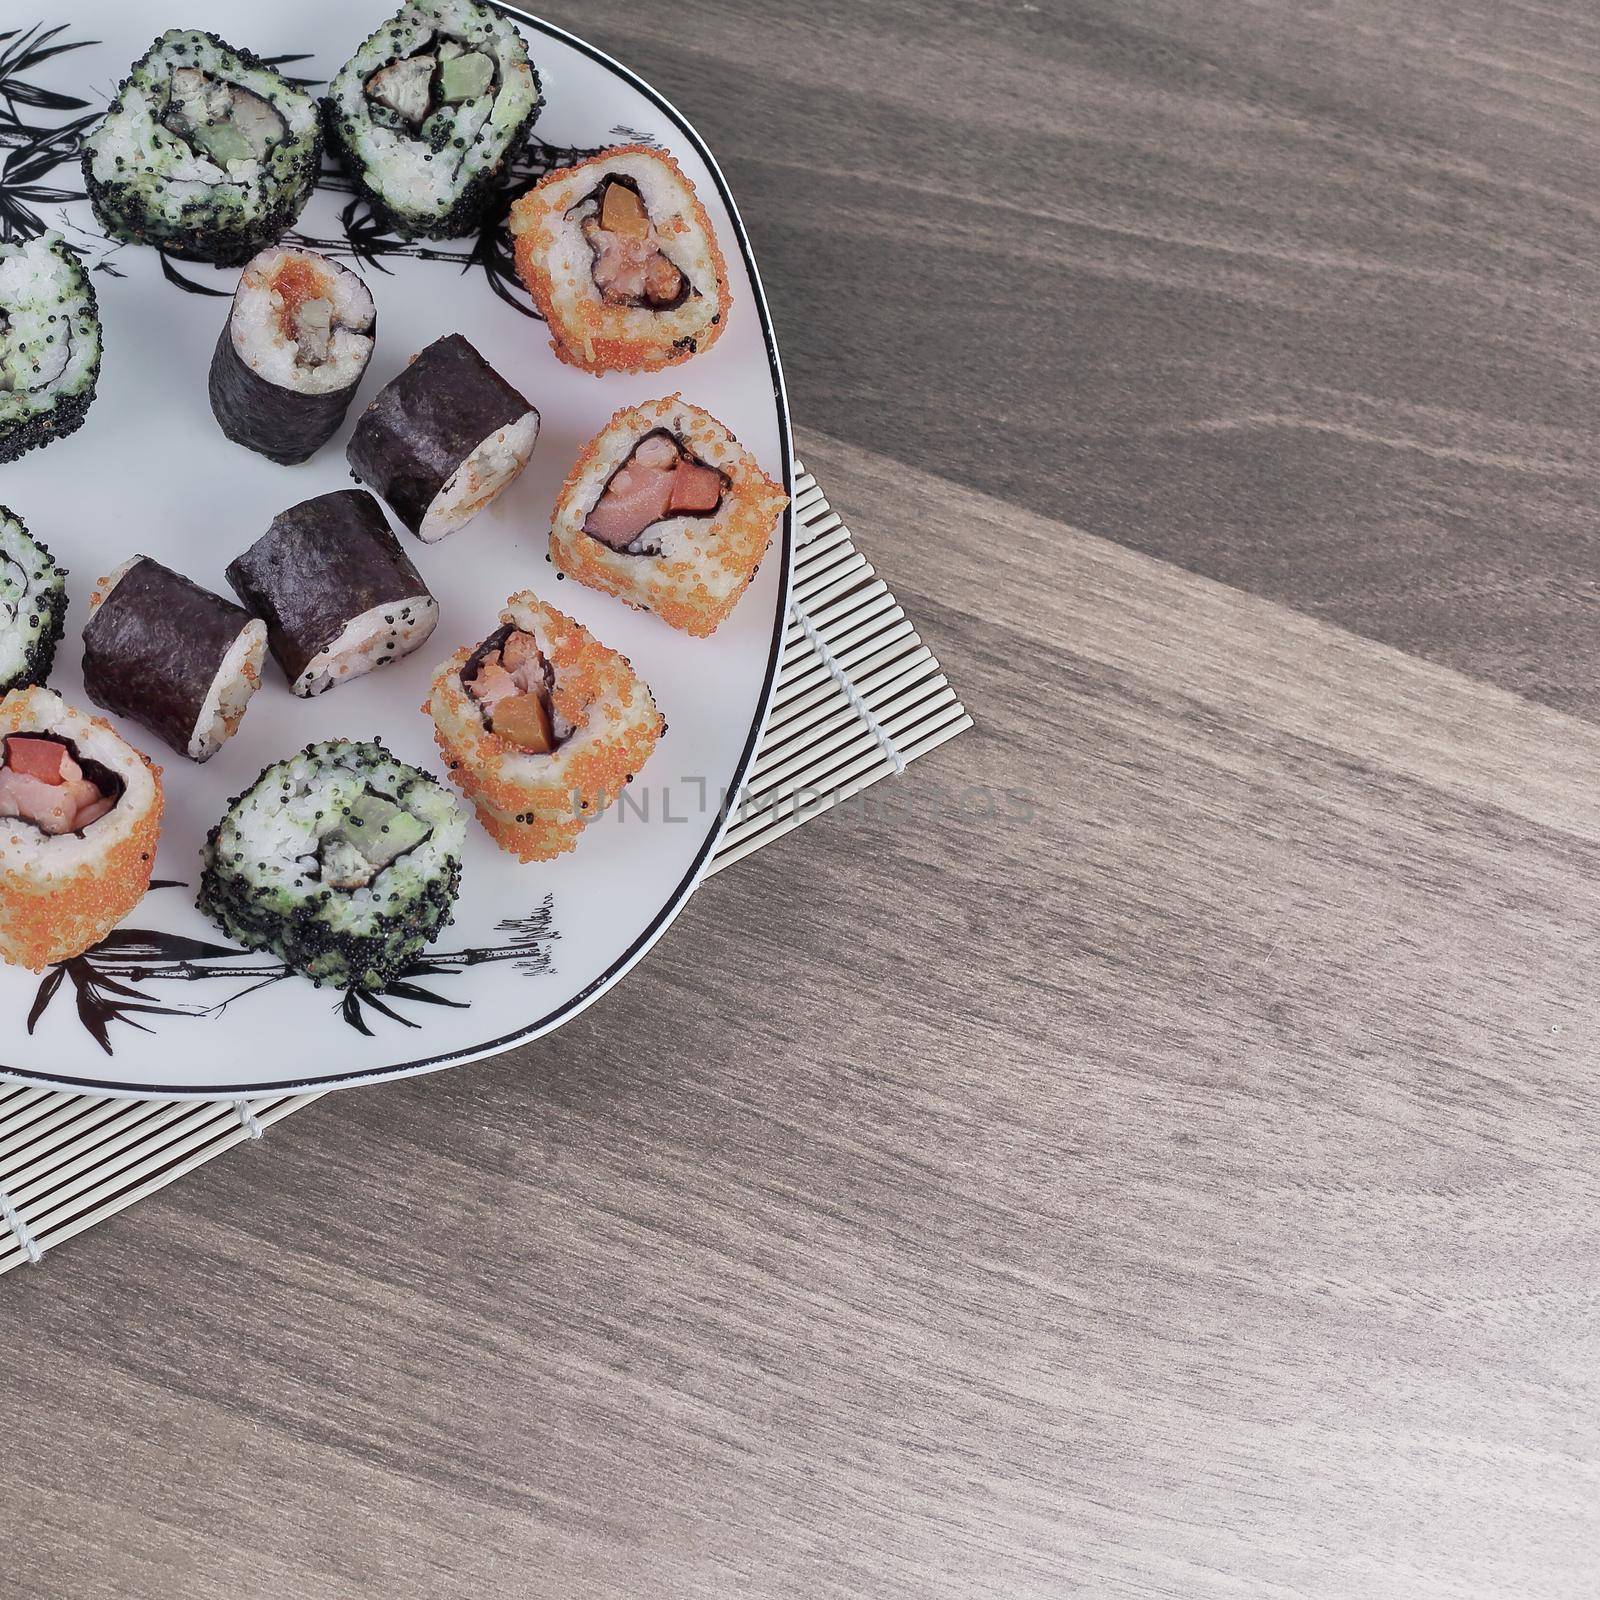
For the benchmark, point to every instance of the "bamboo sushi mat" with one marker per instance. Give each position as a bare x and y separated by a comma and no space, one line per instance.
859,697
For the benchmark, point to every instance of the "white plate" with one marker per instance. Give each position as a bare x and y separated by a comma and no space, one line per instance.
151,472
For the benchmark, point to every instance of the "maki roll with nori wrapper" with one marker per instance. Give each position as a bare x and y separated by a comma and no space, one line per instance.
292,355
444,440
173,656
80,817
49,344
33,606
541,725
342,861
429,113
667,510
338,594
619,256
206,152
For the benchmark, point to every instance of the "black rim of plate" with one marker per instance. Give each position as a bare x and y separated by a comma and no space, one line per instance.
679,896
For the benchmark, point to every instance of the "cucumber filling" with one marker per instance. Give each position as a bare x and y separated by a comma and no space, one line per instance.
409,95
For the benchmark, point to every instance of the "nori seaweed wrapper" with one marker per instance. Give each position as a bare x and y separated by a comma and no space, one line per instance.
322,564
282,424
154,647
412,438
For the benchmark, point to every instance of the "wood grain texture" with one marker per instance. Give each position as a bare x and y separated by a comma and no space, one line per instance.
1296,295
1190,1192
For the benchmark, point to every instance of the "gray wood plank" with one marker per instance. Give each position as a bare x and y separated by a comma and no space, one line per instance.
1297,296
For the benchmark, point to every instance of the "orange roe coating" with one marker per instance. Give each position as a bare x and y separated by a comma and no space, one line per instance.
45,922
528,835
537,805
677,593
584,327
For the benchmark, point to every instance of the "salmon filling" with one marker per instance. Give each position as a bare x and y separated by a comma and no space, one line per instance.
630,268
660,479
511,682
43,783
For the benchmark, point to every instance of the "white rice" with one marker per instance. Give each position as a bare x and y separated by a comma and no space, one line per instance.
368,641
259,339
236,681
51,341
481,478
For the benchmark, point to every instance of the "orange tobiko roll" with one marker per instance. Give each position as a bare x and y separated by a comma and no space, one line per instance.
541,725
618,254
667,510
80,817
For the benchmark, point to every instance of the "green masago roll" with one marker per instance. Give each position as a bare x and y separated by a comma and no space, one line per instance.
206,152
342,860
429,112
49,344
33,606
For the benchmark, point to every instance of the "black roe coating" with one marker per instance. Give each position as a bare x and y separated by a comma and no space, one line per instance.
280,423
45,427
472,206
412,438
66,415
309,945
41,653
120,207
154,647
322,564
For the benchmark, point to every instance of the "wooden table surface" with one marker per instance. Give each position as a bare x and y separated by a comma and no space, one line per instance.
1188,1191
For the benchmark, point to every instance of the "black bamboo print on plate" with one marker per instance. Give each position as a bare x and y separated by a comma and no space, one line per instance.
106,979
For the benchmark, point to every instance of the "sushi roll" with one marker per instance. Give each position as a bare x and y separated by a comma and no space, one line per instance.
49,344
338,594
429,113
542,726
171,655
293,353
668,511
444,440
206,152
620,259
33,606
342,861
80,816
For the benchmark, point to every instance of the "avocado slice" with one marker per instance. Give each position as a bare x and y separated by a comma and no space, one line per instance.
380,830
223,143
465,78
